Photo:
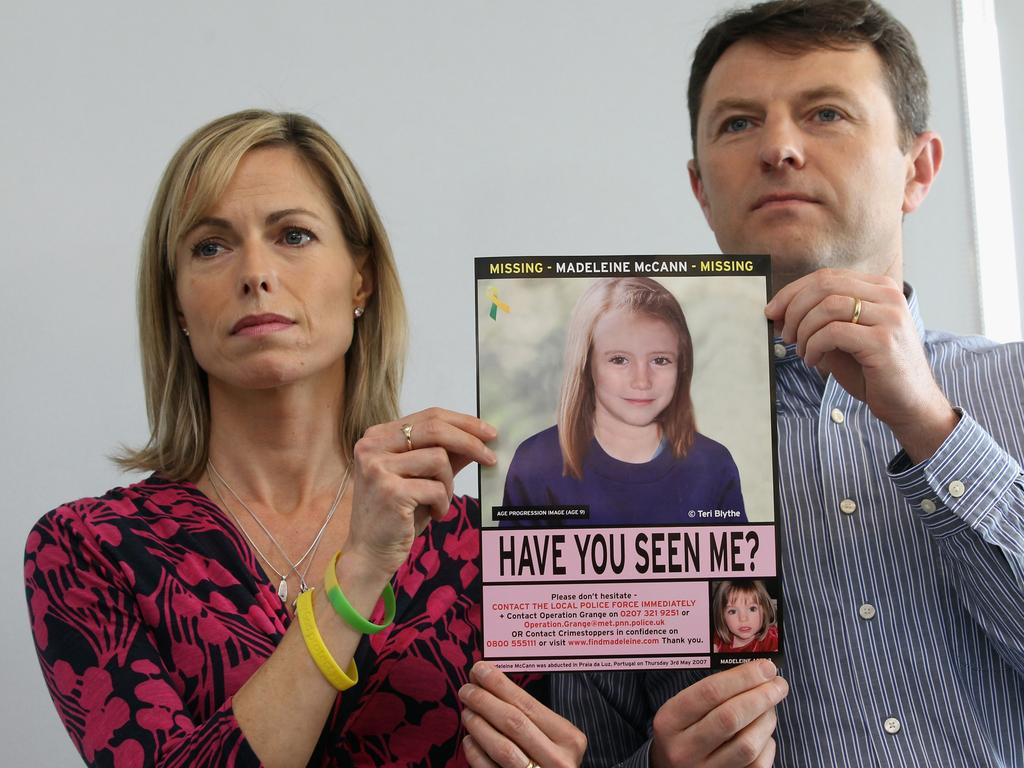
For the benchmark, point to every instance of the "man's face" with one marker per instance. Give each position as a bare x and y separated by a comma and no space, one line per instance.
798,156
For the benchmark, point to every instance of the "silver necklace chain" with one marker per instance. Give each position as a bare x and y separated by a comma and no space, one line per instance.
282,587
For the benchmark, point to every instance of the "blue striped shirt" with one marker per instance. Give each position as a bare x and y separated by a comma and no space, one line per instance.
904,609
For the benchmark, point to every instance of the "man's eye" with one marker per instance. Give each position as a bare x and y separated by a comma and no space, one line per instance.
206,249
296,236
735,125
828,115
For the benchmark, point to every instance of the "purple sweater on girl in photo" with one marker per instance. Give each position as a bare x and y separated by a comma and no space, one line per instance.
662,491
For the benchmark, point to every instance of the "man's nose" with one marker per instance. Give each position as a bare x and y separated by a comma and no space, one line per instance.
781,144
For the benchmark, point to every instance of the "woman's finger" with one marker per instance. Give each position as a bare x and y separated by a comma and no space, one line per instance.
424,464
462,436
431,498
459,443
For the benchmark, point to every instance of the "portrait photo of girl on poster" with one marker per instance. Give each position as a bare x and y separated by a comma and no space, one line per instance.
626,444
744,617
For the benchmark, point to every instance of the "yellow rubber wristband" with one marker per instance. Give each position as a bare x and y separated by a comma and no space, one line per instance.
342,680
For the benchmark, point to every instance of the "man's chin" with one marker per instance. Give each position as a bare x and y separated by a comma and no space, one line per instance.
790,265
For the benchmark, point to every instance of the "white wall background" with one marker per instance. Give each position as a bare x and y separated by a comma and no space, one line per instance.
1010,18
481,128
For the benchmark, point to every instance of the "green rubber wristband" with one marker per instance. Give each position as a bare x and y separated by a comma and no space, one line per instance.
344,608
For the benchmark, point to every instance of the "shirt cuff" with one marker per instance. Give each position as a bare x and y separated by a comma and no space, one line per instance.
960,485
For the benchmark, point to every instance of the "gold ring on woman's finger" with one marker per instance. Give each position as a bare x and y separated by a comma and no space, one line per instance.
407,431
531,764
856,311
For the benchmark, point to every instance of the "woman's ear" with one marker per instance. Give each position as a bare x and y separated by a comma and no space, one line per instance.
363,281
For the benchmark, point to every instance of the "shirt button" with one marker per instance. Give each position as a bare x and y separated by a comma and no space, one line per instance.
892,725
867,611
956,489
927,505
780,351
847,506
837,416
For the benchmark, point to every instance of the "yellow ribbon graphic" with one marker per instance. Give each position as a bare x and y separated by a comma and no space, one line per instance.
496,304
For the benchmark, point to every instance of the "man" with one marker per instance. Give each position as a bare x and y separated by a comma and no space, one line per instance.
901,493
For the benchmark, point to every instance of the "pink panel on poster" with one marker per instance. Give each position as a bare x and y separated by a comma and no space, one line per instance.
631,618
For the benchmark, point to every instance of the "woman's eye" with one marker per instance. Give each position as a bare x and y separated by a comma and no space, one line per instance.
206,249
296,237
660,361
618,360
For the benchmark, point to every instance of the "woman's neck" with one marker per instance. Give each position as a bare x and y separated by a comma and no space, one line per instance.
626,442
279,448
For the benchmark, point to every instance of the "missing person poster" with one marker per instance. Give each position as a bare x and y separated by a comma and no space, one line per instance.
630,521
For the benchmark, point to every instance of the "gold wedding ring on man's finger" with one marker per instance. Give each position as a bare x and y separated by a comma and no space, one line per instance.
856,311
407,431
531,764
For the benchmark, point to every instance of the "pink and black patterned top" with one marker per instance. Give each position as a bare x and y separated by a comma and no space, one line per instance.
149,611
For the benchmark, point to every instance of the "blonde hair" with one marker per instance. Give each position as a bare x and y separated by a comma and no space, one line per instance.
725,590
637,295
177,399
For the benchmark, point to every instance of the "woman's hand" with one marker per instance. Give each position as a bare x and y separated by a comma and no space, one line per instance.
509,728
400,483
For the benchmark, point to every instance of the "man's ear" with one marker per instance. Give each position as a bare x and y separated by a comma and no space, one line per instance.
925,159
697,185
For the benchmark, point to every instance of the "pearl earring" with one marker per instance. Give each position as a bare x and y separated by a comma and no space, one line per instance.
358,312
185,331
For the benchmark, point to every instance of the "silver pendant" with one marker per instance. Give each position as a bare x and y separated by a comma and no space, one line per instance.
282,590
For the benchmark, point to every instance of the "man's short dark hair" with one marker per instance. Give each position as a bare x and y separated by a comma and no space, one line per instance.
796,26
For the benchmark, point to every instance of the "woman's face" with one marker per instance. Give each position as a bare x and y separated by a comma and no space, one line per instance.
265,282
743,617
634,363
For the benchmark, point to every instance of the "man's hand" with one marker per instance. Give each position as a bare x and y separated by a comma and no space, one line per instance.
879,359
726,720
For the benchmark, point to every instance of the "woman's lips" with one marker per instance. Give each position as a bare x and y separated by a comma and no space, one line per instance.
261,325
634,401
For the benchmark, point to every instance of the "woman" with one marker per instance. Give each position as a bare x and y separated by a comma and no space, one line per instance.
626,443
272,331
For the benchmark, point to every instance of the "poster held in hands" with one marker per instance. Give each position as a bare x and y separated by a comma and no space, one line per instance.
630,521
